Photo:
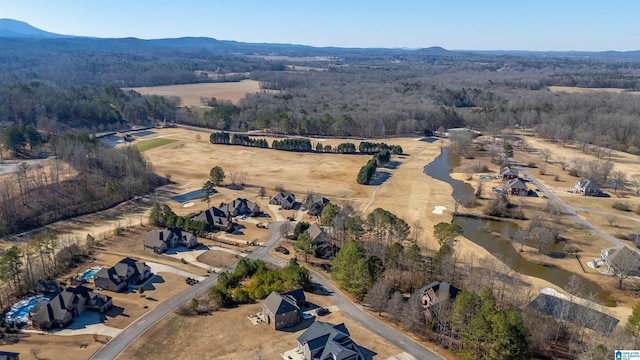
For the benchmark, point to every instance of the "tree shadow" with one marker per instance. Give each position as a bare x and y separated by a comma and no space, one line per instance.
379,178
319,289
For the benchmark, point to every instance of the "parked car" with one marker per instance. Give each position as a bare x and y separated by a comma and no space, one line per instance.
322,311
282,249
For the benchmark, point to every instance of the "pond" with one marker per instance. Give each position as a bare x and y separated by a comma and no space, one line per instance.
479,231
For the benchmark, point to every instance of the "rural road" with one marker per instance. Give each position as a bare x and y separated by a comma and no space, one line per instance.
570,210
119,343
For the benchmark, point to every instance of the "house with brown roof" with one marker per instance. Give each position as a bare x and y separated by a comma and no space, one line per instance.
282,310
69,303
216,219
241,206
171,237
517,187
121,275
437,292
285,199
325,341
508,173
321,241
587,188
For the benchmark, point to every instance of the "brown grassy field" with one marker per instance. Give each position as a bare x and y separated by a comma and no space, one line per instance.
190,94
35,347
574,90
236,338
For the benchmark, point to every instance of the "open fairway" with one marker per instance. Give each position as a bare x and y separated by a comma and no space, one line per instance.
190,94
153,143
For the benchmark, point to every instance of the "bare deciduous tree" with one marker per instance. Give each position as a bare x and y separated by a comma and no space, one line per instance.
546,154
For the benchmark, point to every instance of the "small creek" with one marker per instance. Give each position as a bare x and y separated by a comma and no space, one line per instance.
479,231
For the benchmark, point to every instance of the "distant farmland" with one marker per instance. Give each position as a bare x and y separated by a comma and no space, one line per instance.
573,90
191,93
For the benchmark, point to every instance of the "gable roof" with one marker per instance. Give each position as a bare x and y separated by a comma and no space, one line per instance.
575,313
587,184
156,238
507,170
214,216
329,341
315,231
278,304
517,184
296,295
623,256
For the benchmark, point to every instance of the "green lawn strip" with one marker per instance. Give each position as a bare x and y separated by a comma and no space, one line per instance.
153,143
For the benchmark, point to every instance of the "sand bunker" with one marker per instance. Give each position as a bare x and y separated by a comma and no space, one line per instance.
439,210
189,204
552,292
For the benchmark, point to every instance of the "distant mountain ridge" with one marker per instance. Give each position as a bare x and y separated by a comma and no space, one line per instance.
15,29
20,29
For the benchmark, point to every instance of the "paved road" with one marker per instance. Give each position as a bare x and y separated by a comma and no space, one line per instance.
570,210
119,343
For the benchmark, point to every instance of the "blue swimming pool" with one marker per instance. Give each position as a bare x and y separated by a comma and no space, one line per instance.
485,177
19,312
88,275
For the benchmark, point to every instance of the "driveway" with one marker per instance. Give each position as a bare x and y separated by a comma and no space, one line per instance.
158,268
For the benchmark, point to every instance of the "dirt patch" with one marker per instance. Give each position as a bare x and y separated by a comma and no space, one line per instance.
79,347
578,90
190,94
228,334
217,258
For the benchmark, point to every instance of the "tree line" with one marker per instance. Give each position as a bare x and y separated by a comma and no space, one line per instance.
367,172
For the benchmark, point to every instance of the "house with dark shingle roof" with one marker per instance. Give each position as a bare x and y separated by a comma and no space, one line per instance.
436,293
508,173
8,355
241,206
282,310
587,188
517,187
285,199
216,218
118,277
171,237
324,341
314,204
69,303
578,314
321,241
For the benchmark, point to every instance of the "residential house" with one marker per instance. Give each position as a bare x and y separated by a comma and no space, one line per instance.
587,188
217,219
324,341
241,206
322,242
285,199
8,355
118,277
578,314
283,310
517,187
622,259
161,241
436,293
508,173
314,204
69,303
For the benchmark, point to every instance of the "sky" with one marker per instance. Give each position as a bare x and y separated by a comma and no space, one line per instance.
540,25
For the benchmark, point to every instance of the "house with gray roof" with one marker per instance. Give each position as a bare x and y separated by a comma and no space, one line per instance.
517,187
325,341
216,219
69,303
171,237
622,259
587,188
314,204
282,310
285,199
241,206
118,277
436,293
8,355
578,314
508,173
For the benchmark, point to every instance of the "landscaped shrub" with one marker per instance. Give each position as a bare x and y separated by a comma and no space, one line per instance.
621,206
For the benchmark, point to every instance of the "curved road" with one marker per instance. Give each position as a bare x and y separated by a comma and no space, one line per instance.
132,332
570,210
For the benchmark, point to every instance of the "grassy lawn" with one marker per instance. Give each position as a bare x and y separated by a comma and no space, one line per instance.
153,143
